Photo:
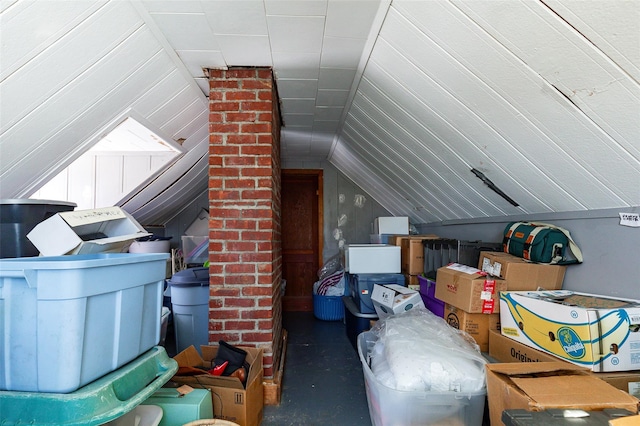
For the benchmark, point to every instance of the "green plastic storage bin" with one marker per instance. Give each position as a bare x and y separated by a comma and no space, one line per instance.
99,402
179,409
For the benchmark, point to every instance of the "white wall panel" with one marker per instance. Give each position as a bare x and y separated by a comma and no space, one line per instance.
109,184
82,182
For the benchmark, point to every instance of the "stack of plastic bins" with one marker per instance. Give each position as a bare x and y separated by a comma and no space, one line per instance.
389,406
73,329
99,402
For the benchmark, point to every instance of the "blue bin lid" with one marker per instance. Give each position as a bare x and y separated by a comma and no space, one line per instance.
191,277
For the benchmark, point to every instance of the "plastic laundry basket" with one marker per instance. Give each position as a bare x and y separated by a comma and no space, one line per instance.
328,308
189,292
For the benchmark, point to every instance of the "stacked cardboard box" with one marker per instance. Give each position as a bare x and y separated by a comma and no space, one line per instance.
412,257
472,295
593,331
471,300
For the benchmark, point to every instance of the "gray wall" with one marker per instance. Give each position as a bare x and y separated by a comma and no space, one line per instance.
339,204
356,229
611,264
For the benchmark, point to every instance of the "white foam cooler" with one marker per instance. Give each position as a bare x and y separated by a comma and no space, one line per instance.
372,259
65,321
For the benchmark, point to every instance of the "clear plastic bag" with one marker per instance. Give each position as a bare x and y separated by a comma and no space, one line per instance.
423,353
333,264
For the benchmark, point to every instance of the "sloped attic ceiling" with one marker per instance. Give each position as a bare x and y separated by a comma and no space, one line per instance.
404,97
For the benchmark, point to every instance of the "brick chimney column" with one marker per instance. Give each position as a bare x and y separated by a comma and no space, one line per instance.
244,210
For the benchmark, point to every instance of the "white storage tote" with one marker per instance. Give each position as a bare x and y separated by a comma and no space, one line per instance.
68,320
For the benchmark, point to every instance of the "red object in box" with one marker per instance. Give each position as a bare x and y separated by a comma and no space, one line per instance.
427,291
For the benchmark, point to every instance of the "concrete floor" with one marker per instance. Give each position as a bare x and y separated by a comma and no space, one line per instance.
323,383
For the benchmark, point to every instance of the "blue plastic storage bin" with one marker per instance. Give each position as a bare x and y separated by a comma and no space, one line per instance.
328,308
68,320
361,287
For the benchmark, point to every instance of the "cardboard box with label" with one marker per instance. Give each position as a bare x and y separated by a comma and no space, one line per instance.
392,299
104,230
476,325
538,386
396,225
232,401
372,259
412,255
504,349
469,289
596,332
520,274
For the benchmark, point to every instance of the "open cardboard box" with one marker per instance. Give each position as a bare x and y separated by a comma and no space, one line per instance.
538,386
75,232
390,299
232,401
505,349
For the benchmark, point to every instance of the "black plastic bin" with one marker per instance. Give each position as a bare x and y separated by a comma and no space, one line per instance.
559,417
356,322
18,217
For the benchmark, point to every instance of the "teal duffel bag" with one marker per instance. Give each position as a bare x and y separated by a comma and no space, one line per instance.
540,243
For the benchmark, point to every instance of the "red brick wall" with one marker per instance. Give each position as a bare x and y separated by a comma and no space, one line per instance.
244,210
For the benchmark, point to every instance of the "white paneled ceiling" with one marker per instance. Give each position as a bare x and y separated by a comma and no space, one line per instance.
405,97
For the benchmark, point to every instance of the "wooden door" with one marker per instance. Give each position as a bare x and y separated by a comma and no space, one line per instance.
301,236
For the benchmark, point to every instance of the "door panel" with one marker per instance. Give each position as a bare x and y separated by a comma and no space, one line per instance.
300,241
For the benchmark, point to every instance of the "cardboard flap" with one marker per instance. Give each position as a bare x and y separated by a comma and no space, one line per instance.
522,368
189,358
561,391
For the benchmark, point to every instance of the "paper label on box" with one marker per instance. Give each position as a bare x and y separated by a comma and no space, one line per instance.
184,390
82,217
488,306
494,269
634,318
489,286
485,295
465,269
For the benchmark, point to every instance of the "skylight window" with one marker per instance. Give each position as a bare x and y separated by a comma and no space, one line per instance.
115,167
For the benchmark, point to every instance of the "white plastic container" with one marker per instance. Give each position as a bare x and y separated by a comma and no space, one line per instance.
389,406
68,320
372,259
394,225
